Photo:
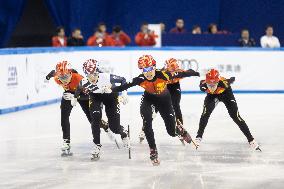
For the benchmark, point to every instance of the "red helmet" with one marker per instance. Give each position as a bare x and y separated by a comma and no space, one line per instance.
212,76
146,61
63,68
90,66
172,65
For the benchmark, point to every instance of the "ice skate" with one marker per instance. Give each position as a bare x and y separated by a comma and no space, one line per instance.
255,145
126,142
182,133
96,152
66,148
197,142
141,136
154,157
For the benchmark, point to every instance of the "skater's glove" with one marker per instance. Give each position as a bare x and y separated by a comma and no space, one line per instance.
123,98
74,101
68,96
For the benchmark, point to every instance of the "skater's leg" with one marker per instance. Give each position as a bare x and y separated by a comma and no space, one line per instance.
208,107
66,108
96,115
167,113
85,105
146,114
176,97
112,110
233,111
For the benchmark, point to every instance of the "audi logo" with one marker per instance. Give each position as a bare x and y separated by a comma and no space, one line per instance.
188,64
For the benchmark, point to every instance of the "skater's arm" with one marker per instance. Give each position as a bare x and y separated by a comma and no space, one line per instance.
231,80
117,79
135,81
50,75
78,90
187,73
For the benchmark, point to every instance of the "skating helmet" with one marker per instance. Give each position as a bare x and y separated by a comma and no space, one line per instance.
90,66
63,70
172,65
146,61
212,76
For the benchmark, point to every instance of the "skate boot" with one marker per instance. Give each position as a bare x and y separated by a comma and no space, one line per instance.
66,148
126,142
154,157
197,141
96,152
255,145
183,134
141,136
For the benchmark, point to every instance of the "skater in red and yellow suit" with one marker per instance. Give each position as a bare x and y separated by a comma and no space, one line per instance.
69,80
219,89
156,94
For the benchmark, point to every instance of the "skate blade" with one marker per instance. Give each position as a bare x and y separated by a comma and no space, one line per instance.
64,154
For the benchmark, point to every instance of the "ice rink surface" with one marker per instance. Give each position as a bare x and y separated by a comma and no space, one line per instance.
30,144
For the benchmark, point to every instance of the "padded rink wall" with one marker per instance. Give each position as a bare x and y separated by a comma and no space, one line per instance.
23,71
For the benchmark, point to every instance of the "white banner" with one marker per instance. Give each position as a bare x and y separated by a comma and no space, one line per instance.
22,75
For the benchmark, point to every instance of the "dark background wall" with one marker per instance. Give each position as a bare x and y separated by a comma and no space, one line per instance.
231,15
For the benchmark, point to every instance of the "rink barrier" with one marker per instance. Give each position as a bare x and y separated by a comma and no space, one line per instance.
49,102
31,64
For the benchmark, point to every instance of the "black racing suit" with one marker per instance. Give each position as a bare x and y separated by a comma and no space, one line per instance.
66,106
111,103
224,94
156,94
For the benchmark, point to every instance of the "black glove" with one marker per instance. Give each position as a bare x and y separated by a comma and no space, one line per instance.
50,75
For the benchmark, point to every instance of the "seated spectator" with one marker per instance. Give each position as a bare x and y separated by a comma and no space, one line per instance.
59,40
145,37
163,28
213,29
76,38
245,40
100,37
268,40
179,27
119,37
196,30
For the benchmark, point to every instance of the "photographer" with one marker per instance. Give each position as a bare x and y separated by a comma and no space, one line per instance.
145,37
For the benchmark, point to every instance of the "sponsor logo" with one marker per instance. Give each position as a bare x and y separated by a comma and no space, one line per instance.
12,80
188,64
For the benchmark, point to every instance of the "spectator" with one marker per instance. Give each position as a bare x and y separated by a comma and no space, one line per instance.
245,40
213,29
76,38
119,37
163,28
179,27
145,37
268,40
100,37
59,40
196,30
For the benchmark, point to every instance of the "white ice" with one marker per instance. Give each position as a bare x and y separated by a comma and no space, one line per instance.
30,150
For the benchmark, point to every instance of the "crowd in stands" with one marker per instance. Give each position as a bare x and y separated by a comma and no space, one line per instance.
146,37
